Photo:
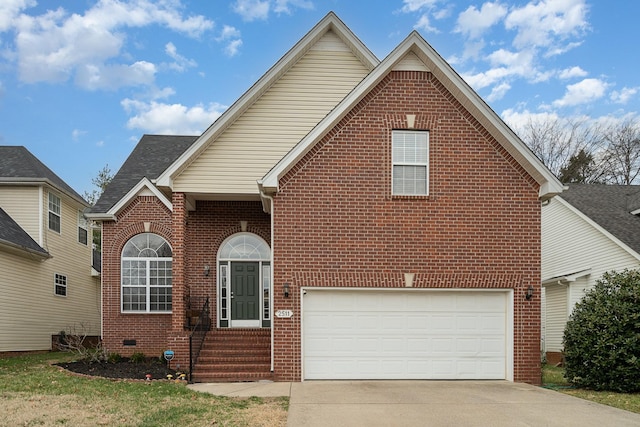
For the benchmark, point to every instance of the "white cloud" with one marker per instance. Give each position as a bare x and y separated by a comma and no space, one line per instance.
588,90
54,46
111,77
547,23
233,47
424,23
623,96
569,73
180,63
473,22
427,10
251,10
77,133
283,6
231,36
519,119
10,10
417,5
170,119
259,10
498,91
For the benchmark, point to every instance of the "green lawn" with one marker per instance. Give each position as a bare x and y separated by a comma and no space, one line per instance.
553,378
32,392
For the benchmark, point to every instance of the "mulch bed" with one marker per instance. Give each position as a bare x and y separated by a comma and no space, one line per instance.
123,369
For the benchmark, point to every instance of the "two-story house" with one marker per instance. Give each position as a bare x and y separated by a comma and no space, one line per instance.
346,218
45,256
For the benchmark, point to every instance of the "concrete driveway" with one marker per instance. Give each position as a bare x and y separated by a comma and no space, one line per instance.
428,403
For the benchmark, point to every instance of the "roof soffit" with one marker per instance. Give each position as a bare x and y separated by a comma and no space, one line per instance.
329,23
415,44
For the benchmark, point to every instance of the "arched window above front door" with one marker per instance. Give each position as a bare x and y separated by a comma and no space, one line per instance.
244,246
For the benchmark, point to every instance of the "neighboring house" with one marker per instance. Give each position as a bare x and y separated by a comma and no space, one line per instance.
346,218
45,256
588,230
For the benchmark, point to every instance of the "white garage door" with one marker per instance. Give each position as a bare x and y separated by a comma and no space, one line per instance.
361,334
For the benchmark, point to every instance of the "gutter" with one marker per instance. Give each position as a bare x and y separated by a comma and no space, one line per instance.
43,255
264,196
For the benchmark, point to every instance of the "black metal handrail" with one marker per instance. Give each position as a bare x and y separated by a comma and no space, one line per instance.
197,336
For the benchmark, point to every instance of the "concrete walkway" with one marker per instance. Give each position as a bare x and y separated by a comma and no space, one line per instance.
428,403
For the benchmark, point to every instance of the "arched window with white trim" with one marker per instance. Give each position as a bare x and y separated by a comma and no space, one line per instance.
146,275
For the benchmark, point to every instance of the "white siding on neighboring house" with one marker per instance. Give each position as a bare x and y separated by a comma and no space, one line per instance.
556,316
30,312
571,244
271,126
21,203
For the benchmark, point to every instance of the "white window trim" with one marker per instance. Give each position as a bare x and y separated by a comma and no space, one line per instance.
58,214
404,163
60,280
85,227
147,285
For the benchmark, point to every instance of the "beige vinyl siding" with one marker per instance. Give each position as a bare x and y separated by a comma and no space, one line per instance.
270,127
22,204
30,312
556,316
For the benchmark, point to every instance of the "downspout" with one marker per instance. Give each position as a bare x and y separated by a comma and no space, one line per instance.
273,318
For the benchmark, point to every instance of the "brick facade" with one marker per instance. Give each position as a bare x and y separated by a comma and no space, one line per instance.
148,330
337,224
195,238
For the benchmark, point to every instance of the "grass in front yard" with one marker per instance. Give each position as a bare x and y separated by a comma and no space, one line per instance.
553,378
32,392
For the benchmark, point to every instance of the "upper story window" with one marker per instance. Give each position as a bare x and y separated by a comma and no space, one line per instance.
146,275
83,229
410,157
54,212
60,285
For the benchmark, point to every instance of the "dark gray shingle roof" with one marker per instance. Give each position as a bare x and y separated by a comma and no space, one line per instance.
610,206
17,164
12,234
152,155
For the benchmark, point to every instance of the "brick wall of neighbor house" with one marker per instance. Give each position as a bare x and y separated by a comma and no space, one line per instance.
336,223
148,330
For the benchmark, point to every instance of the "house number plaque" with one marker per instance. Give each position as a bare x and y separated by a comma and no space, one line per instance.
284,313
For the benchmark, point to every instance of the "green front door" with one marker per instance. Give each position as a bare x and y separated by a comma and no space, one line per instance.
245,294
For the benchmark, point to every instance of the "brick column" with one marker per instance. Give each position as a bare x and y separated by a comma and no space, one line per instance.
177,337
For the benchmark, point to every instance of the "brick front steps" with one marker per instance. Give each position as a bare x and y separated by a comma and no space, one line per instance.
234,355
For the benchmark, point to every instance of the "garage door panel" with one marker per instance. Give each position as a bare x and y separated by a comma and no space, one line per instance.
396,335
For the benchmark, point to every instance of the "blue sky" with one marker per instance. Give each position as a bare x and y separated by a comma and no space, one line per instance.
82,80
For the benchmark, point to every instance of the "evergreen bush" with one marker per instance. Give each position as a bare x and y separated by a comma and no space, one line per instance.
602,336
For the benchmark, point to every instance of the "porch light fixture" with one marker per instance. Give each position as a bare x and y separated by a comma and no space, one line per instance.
529,293
207,269
286,290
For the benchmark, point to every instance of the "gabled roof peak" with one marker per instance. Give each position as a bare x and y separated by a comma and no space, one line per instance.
330,22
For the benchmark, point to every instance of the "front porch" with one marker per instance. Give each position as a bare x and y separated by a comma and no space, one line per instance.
234,355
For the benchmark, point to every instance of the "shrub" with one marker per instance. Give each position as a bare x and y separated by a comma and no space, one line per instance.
138,358
602,336
114,357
